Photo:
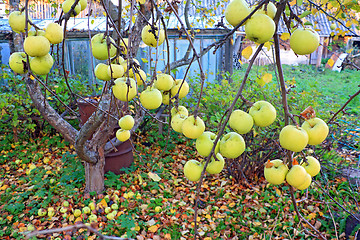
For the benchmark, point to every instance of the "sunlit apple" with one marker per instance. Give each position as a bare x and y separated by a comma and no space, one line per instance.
304,41
101,72
17,62
164,82
41,65
317,130
241,121
205,143
275,171
193,128
192,170
99,47
17,21
293,138
183,91
54,33
124,89
232,145
151,36
260,28
36,46
215,166
122,135
66,6
115,70
177,122
236,11
179,110
126,122
263,113
296,175
151,98
312,166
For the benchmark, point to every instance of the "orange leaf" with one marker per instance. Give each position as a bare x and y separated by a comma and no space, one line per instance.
308,113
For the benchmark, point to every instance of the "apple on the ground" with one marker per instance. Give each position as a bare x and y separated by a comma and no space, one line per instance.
241,121
193,169
317,130
215,166
275,171
263,113
232,145
193,128
205,143
293,138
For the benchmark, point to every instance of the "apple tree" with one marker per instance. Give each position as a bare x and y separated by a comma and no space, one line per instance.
125,87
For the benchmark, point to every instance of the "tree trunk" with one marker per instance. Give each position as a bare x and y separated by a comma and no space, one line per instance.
94,175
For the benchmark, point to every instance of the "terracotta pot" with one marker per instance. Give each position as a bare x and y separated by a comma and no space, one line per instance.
117,159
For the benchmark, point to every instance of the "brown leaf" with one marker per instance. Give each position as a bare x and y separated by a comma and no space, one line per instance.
308,113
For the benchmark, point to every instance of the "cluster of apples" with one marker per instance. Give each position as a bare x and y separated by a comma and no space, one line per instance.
80,6
294,138
231,145
260,28
126,123
299,176
36,45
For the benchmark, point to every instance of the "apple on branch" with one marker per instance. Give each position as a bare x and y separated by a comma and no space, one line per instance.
176,88
306,183
177,121
296,175
99,47
293,138
179,110
17,21
268,9
122,135
241,121
215,166
193,169
36,46
54,33
232,145
205,143
236,11
260,28
151,98
317,130
115,70
312,166
275,171
41,65
193,128
122,90
126,122
66,6
304,41
101,72
151,36
17,62
164,82
263,113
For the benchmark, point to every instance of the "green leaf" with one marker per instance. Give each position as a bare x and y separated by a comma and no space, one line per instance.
299,2
304,14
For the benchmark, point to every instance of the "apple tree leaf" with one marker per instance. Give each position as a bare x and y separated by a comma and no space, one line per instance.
247,52
285,36
304,14
154,176
299,2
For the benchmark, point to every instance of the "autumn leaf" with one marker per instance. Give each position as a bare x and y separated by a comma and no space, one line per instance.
247,52
285,36
330,62
154,176
153,228
308,113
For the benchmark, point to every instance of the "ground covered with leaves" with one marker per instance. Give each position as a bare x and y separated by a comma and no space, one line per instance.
153,200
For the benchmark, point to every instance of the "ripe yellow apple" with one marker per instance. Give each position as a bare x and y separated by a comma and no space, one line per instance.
122,135
296,176
77,213
192,170
166,97
125,63
101,72
306,183
139,76
179,110
164,82
17,62
293,138
205,143
86,210
83,4
37,32
270,9
17,21
333,26
275,171
312,166
151,98
177,122
184,88
54,33
236,11
99,47
151,39
36,46
232,145
66,6
215,166
42,212
317,130
122,91
92,218
41,65
241,121
304,41
260,28
263,113
126,122
115,71
193,128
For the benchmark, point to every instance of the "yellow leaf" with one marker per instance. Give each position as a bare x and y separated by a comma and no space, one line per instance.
267,77
349,50
240,61
153,228
141,1
140,179
133,19
247,52
311,216
278,191
267,45
232,204
103,203
154,176
285,36
330,62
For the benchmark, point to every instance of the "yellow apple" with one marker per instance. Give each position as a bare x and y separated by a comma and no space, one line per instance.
333,26
115,71
192,170
101,72
126,122
232,145
312,166
293,138
241,121
17,62
193,128
317,130
151,98
263,113
152,38
179,110
304,41
37,32
275,171
125,63
42,212
99,47
77,213
164,82
205,143
83,4
296,176
54,33
236,11
41,65
177,122
166,97
122,90
268,9
122,135
306,183
36,46
66,6
184,88
17,21
215,166
139,76
260,28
